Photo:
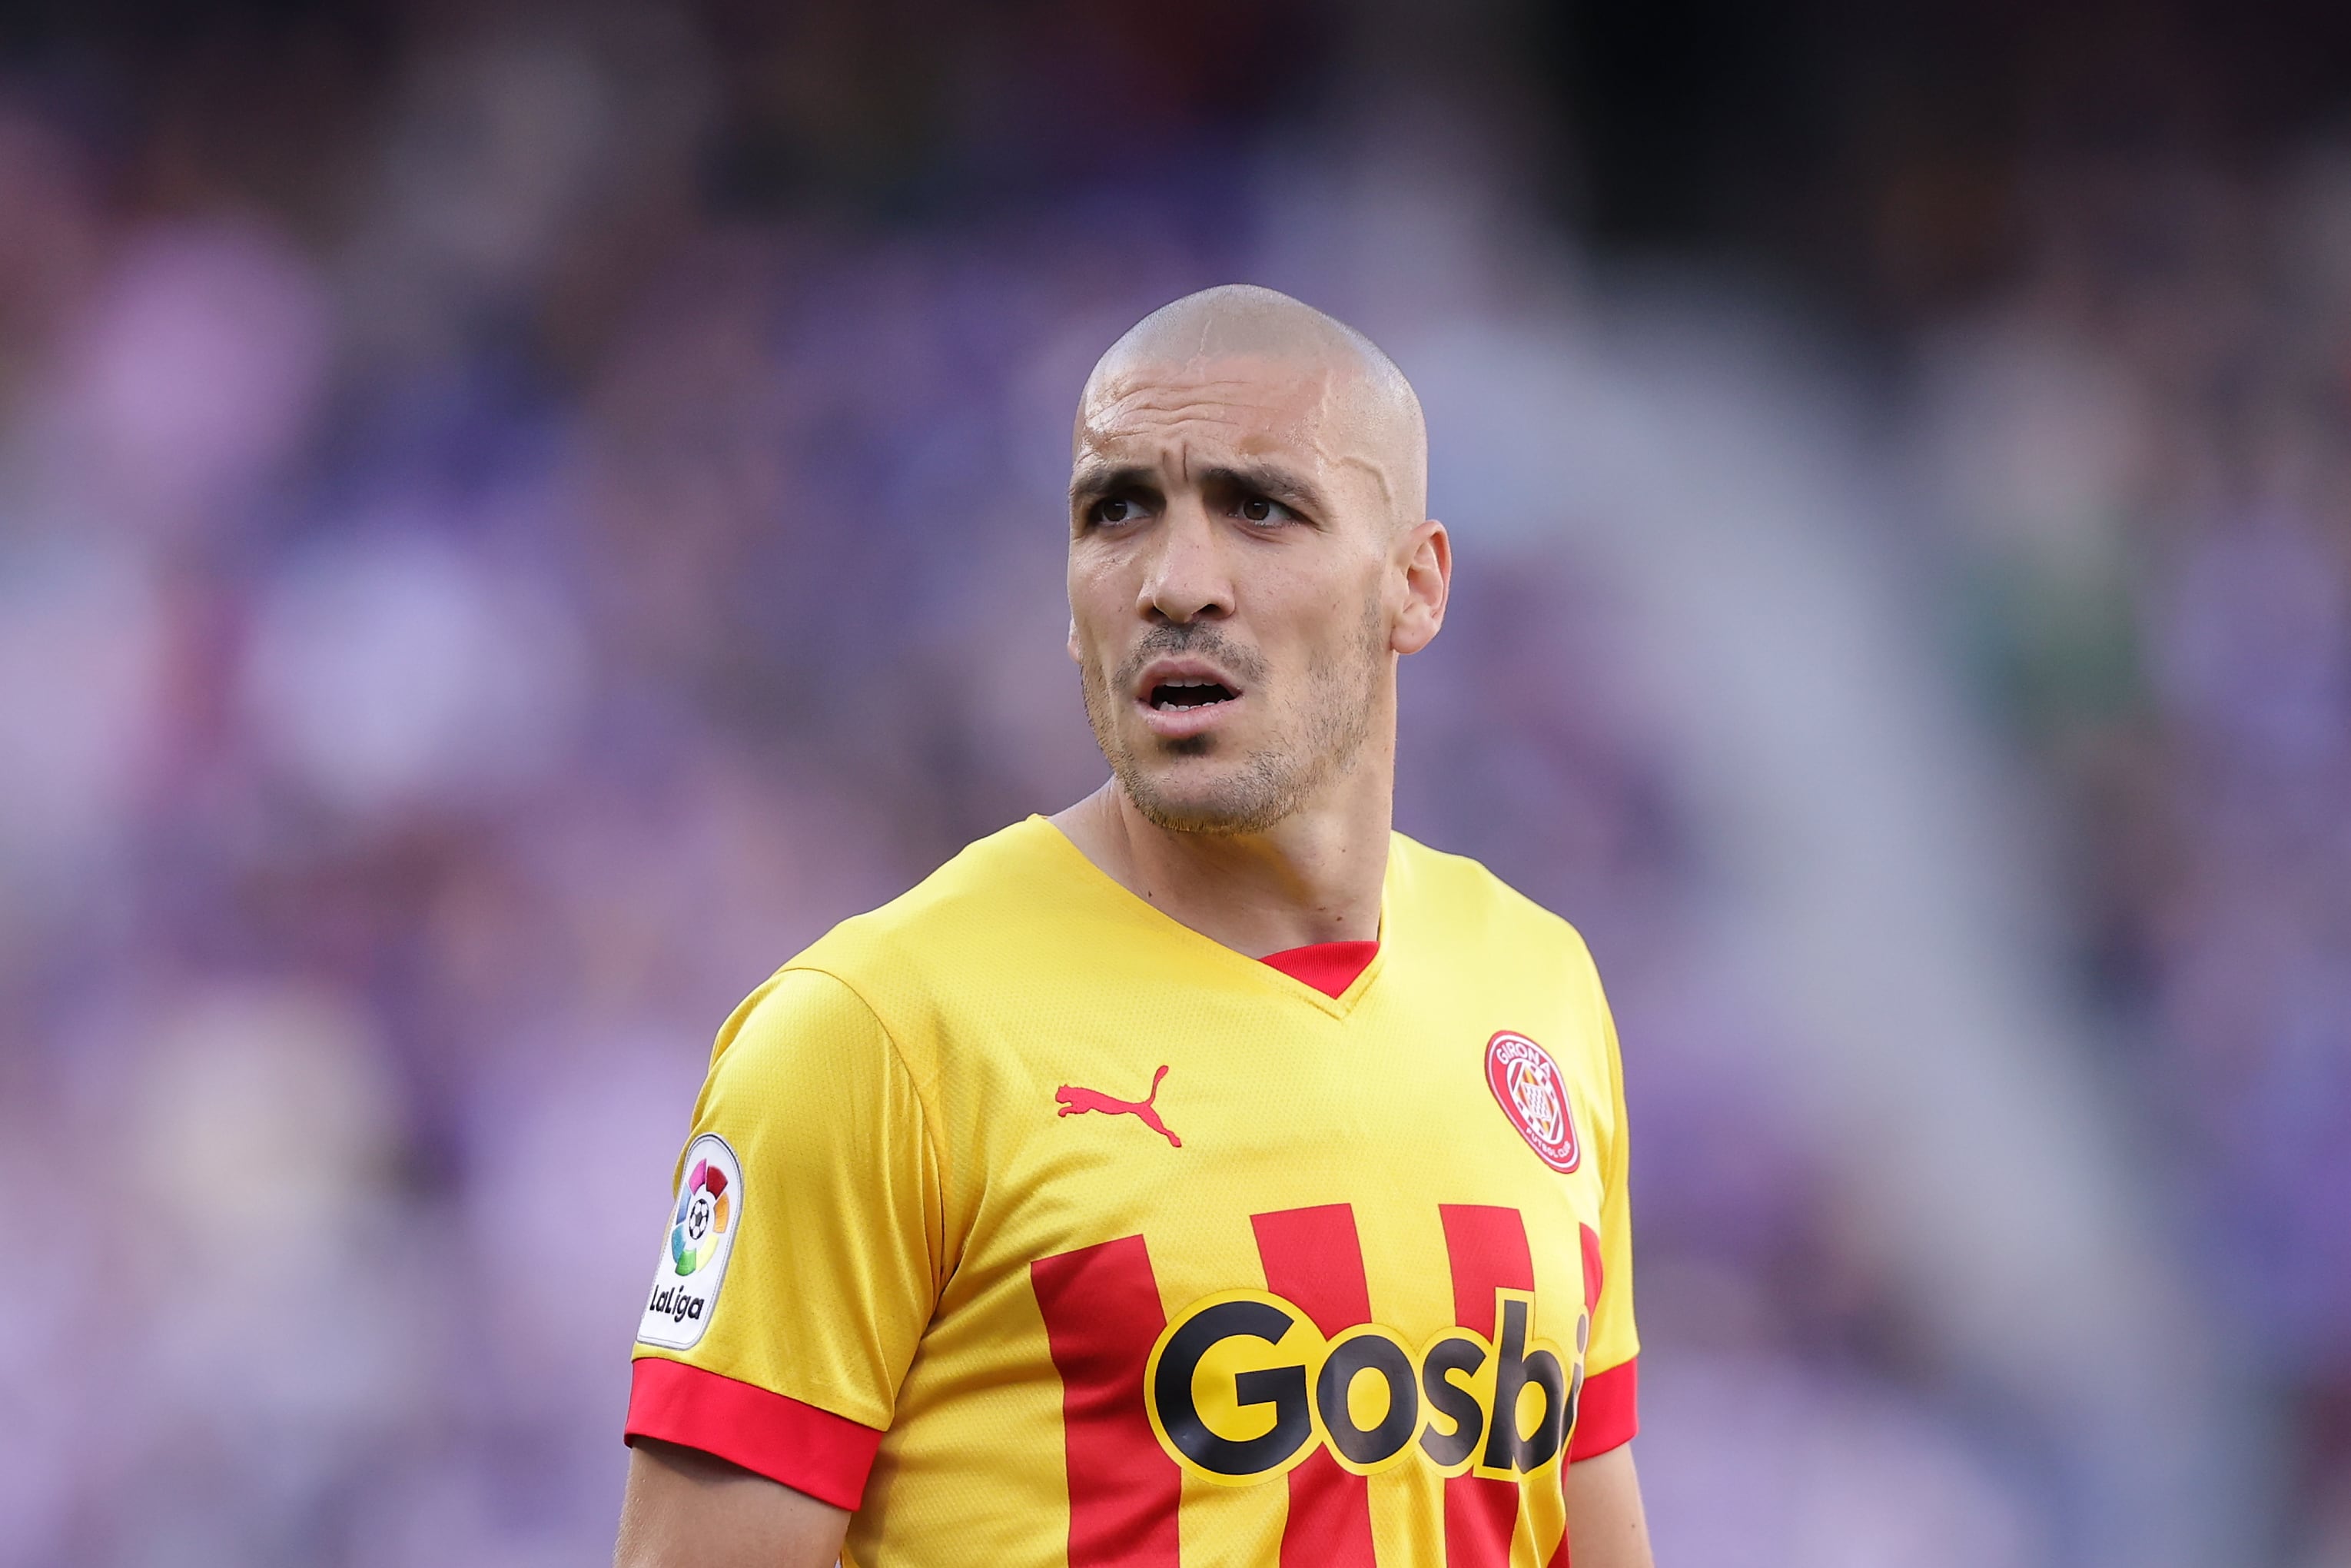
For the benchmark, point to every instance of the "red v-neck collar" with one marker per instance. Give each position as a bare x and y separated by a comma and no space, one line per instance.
1354,980
1329,967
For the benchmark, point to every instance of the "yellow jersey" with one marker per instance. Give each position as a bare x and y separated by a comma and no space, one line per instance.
1037,1227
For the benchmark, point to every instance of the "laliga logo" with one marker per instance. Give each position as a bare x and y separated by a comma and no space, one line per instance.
1242,1388
694,1252
701,1217
1528,1086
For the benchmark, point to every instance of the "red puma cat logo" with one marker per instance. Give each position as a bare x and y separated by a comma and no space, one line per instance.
1076,1102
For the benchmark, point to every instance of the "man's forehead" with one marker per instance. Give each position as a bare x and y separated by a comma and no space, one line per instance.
1251,400
1239,382
1260,376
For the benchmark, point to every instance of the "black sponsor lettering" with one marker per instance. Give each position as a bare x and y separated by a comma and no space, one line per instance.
677,1305
1283,1387
1453,1354
1515,1366
1367,1353
1436,1395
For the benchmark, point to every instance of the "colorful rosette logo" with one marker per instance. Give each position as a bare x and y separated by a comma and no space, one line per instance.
701,1219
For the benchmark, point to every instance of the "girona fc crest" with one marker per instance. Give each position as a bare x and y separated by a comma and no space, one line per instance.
1528,1086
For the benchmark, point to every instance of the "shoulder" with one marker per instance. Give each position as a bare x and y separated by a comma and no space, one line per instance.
977,917
1456,901
1526,968
798,1021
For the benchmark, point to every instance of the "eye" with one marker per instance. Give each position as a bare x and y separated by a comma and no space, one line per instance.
1113,510
1258,509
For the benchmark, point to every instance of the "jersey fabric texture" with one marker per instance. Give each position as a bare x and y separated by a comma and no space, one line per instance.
1037,1227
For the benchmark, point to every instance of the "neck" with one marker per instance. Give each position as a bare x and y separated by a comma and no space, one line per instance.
1314,876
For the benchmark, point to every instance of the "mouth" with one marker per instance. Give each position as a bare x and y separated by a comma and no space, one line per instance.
1181,698
1172,696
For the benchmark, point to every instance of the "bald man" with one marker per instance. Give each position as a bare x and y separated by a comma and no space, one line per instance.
1207,1174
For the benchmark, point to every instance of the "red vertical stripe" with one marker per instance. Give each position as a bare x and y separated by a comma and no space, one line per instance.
1488,1249
1313,1258
1593,1277
1102,1316
1588,1390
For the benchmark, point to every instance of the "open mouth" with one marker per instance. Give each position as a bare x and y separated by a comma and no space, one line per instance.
1174,696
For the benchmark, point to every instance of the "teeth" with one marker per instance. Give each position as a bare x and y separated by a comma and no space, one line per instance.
1187,685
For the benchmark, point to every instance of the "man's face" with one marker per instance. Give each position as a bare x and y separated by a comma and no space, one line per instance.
1231,563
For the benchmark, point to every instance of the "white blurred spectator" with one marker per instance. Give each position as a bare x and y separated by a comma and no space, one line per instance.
389,669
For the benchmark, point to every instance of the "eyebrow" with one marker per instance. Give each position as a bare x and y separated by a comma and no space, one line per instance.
1096,480
1271,481
1268,480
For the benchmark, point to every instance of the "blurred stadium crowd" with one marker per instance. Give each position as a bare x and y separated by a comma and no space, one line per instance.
513,520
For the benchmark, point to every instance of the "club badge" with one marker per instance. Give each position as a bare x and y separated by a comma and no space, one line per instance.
1528,1086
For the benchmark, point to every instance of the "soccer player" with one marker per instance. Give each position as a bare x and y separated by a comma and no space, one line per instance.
1207,1174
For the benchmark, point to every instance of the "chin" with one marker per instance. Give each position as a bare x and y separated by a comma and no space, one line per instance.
1192,794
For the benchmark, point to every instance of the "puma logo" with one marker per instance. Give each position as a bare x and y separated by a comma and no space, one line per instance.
1077,1102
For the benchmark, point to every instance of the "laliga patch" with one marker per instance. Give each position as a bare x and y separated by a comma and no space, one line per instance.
1528,1086
700,1237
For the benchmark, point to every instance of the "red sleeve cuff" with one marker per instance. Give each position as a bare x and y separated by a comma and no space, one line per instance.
808,1449
1606,1412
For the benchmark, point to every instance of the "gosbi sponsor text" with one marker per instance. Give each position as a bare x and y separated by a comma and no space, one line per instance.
1242,1388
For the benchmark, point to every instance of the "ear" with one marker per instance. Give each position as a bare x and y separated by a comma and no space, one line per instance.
1425,560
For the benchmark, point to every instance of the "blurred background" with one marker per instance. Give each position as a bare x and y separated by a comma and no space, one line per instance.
514,518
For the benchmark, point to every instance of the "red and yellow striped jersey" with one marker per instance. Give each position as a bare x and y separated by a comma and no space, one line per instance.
1037,1227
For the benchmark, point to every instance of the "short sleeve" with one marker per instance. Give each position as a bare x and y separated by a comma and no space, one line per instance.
801,1255
1607,1412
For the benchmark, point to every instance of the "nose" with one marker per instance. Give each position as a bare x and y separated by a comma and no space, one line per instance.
1188,576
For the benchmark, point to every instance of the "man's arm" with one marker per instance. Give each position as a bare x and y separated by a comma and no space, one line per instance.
766,1375
1605,1522
685,1507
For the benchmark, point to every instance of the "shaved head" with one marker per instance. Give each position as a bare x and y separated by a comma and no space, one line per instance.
1249,555
1367,417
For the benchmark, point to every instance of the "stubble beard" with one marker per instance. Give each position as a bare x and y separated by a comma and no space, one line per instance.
1341,697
